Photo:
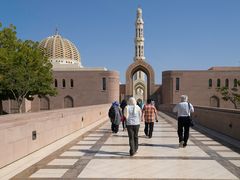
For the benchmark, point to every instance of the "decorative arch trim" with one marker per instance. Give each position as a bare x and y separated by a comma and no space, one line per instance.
140,65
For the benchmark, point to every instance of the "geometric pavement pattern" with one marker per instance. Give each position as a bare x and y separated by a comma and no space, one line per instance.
99,154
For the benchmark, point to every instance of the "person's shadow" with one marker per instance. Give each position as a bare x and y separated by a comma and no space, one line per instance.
93,152
173,146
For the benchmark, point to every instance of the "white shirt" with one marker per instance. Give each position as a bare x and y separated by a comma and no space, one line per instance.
182,109
132,114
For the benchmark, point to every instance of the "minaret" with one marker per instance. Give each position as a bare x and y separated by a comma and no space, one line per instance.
139,39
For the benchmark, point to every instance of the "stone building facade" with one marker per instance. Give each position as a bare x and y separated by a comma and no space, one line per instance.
76,85
82,88
200,86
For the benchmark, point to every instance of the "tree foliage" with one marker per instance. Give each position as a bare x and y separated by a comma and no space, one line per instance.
231,95
24,70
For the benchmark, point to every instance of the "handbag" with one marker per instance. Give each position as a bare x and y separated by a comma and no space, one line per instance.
191,123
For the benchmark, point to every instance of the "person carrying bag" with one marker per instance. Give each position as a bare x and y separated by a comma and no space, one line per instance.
183,110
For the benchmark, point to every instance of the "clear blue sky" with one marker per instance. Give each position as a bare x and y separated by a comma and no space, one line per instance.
179,34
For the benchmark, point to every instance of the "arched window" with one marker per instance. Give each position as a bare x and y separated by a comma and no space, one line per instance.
210,83
104,84
226,83
68,102
177,84
235,83
218,82
214,101
63,83
44,103
71,83
56,83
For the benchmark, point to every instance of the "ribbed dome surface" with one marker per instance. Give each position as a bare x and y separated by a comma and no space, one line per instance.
61,50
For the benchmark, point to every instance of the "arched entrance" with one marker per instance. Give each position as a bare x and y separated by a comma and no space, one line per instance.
135,88
214,101
68,102
44,103
140,91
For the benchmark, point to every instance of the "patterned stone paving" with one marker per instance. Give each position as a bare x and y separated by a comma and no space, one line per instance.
99,154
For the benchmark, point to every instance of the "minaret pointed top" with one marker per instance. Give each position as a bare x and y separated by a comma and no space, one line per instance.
139,12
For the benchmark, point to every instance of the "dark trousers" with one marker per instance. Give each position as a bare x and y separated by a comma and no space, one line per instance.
115,128
183,129
148,130
124,124
133,138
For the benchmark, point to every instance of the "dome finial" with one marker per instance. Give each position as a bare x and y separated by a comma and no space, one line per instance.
139,11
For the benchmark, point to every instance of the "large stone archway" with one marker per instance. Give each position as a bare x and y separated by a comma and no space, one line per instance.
140,65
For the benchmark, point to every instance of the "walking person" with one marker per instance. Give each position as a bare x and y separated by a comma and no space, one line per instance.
133,114
149,115
183,110
153,103
115,116
123,105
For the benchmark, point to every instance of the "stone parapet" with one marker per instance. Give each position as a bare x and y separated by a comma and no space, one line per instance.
22,134
225,121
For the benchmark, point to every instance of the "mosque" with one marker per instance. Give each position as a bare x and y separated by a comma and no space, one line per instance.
199,85
76,85
83,86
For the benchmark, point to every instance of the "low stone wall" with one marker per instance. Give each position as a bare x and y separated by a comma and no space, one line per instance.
225,121
22,134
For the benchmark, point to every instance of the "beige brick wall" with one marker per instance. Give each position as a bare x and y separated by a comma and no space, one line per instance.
195,85
87,89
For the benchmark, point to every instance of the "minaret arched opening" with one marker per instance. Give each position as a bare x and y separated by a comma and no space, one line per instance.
139,81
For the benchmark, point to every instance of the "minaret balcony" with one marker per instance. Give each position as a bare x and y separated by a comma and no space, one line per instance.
139,39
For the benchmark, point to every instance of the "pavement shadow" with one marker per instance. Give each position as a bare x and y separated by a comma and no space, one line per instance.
90,152
173,146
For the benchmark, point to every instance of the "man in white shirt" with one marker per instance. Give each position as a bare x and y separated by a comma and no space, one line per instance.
183,110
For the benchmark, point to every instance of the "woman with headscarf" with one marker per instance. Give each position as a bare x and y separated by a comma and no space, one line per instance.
133,114
115,116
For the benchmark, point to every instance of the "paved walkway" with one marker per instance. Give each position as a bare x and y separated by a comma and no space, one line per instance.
99,154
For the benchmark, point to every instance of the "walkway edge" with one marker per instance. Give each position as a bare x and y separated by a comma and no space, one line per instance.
211,132
16,167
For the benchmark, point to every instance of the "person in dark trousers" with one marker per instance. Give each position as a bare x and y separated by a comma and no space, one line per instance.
149,115
183,110
123,105
115,115
133,114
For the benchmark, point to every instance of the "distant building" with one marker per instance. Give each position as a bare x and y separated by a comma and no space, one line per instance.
140,76
199,85
76,85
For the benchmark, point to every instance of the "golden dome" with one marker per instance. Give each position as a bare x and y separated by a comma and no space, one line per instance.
60,50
